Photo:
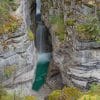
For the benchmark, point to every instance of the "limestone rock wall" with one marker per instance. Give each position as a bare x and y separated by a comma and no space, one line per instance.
18,57
77,60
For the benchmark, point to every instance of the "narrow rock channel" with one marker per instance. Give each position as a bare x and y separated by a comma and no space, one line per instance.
44,49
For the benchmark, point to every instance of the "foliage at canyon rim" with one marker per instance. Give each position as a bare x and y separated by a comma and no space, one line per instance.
8,22
67,93
89,30
72,93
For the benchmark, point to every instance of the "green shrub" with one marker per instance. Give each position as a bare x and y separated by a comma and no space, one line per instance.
70,22
67,93
95,89
8,23
55,95
72,93
11,3
57,23
92,94
90,30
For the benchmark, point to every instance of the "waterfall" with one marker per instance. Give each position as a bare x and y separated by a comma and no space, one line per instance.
38,7
44,48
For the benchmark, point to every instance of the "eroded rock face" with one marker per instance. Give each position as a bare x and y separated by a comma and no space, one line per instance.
18,59
28,11
75,62
78,61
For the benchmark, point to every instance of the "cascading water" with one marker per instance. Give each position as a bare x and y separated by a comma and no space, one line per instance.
44,48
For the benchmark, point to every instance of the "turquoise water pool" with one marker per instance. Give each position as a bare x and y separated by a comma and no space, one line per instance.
41,70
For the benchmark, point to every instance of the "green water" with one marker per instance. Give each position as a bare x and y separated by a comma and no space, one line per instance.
44,48
41,70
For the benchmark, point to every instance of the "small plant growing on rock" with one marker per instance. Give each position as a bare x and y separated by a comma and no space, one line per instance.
55,95
67,93
92,94
9,70
30,34
70,22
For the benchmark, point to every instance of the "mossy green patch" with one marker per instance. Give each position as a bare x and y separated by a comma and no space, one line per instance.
70,22
67,93
30,34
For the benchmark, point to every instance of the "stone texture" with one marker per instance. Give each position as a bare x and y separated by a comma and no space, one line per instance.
78,61
74,62
20,53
